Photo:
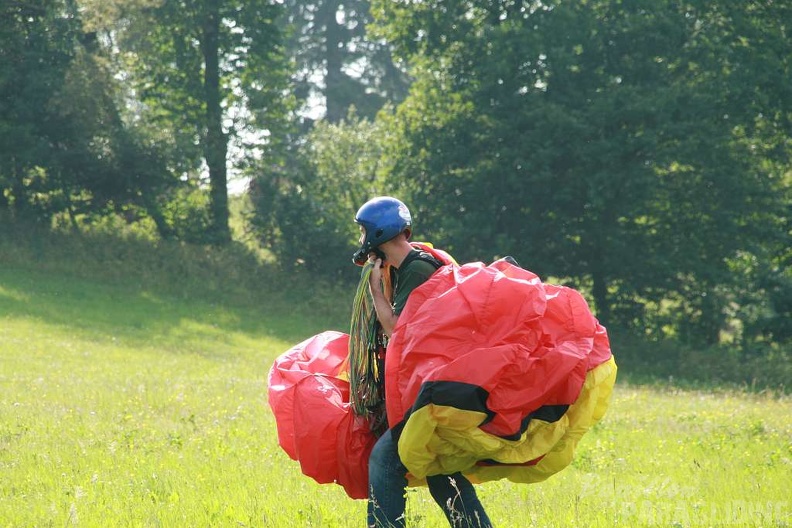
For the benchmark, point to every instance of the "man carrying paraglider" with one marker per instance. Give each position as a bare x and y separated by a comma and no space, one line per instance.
386,226
450,375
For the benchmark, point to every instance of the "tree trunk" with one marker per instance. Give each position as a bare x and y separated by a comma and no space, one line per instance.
600,294
155,212
711,320
395,86
334,105
215,141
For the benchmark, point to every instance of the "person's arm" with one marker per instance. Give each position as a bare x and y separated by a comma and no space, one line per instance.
382,305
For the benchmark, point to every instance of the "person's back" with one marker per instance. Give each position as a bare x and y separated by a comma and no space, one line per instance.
416,269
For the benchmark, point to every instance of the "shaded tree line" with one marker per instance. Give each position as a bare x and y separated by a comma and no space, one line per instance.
64,146
637,150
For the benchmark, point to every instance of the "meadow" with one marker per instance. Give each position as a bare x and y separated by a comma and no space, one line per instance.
132,401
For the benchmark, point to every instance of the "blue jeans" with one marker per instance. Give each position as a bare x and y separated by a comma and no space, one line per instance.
388,482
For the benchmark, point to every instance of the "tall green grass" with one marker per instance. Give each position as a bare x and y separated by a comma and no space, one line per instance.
133,393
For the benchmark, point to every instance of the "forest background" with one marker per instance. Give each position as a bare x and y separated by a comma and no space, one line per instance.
638,151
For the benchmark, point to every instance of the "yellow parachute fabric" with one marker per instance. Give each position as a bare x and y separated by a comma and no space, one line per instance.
444,439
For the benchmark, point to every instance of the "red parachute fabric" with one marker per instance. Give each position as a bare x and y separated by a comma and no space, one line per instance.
309,396
483,365
497,327
531,358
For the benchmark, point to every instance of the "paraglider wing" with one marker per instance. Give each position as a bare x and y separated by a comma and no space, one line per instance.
483,367
309,396
489,371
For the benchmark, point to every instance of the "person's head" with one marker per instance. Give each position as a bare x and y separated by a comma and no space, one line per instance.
381,220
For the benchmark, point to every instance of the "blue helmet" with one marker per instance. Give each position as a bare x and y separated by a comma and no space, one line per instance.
383,218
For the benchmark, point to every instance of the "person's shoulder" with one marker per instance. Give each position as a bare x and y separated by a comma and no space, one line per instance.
421,267
421,262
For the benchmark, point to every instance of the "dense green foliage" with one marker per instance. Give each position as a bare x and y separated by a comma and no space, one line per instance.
208,75
64,149
132,107
611,143
335,60
305,209
639,151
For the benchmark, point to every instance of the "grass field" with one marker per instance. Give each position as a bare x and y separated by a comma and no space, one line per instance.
122,406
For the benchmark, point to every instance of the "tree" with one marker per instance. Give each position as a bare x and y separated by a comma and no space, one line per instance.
65,148
336,60
100,165
207,75
304,208
36,48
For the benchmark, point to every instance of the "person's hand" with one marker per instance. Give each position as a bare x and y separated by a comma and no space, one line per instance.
375,279
382,306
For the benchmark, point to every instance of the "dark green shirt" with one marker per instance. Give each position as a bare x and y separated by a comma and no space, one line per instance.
413,272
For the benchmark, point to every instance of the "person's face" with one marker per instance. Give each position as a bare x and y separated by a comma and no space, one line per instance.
372,254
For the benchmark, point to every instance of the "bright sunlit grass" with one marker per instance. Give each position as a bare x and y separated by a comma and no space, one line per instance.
121,407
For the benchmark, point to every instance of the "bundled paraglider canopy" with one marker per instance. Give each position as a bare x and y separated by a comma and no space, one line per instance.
309,395
489,371
486,372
